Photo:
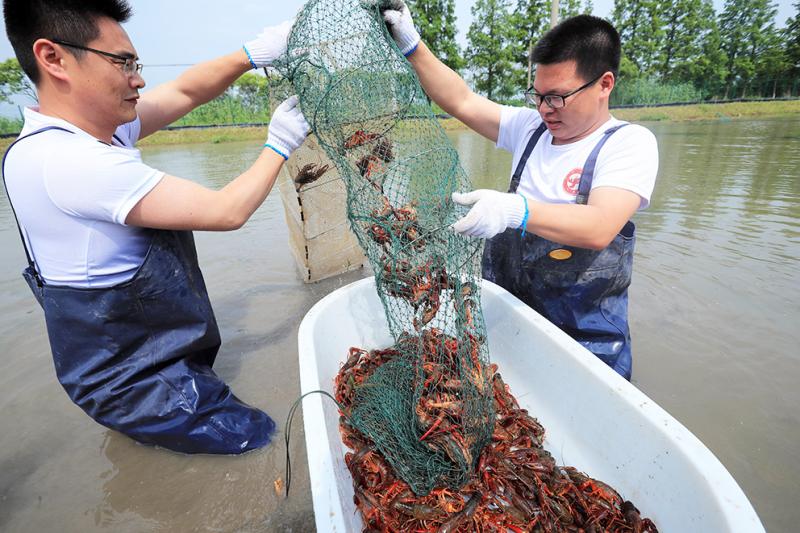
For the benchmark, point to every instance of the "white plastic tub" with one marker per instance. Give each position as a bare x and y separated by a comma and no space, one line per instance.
595,420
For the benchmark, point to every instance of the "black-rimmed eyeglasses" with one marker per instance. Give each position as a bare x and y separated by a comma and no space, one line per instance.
554,101
129,65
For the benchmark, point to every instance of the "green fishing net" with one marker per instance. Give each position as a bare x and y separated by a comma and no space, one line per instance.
429,410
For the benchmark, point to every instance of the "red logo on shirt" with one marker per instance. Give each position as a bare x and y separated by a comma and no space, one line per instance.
572,181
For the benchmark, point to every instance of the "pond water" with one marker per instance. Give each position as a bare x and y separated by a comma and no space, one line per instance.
715,308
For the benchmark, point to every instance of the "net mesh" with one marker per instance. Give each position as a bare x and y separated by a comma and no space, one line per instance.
430,409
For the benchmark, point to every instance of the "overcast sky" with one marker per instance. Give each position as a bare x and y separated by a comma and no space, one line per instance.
168,32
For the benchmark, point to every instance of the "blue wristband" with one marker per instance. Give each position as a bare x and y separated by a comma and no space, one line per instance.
249,57
286,157
524,218
412,50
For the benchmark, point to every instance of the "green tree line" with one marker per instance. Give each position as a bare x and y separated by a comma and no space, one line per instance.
673,51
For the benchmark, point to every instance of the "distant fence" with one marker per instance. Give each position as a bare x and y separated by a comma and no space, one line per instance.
173,128
444,116
209,126
703,102
203,127
648,92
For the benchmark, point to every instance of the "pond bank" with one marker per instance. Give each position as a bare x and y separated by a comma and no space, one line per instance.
735,110
729,111
732,110
713,311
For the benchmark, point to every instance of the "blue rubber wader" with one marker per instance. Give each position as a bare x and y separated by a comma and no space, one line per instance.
137,356
584,292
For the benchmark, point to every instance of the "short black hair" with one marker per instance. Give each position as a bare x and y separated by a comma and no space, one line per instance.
74,21
593,43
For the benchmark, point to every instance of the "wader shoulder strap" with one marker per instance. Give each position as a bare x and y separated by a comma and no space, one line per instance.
585,186
525,155
31,263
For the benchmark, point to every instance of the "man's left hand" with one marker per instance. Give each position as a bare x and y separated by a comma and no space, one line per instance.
492,212
288,128
269,45
401,26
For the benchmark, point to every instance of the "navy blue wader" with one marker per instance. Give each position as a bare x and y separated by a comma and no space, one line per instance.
137,356
584,292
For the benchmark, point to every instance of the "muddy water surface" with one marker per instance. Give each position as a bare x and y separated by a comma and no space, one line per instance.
715,304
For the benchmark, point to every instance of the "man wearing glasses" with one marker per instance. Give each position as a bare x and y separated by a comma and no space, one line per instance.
111,257
561,239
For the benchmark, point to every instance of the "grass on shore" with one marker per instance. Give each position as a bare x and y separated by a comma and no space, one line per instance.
209,135
734,110
737,110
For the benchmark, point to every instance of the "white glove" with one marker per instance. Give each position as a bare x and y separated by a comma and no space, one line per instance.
491,214
401,26
288,128
270,44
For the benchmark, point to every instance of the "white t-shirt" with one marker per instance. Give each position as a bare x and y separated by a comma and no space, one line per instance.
72,194
628,160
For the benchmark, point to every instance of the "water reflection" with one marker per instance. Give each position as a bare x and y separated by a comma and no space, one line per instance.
715,298
212,493
714,305
733,188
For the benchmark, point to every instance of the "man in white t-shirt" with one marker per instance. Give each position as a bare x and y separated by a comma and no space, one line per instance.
561,239
111,256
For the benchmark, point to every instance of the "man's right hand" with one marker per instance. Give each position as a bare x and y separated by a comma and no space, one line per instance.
401,26
287,128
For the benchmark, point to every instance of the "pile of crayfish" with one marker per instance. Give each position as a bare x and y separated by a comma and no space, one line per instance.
516,487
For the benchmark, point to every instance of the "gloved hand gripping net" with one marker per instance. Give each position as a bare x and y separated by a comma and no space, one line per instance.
428,410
